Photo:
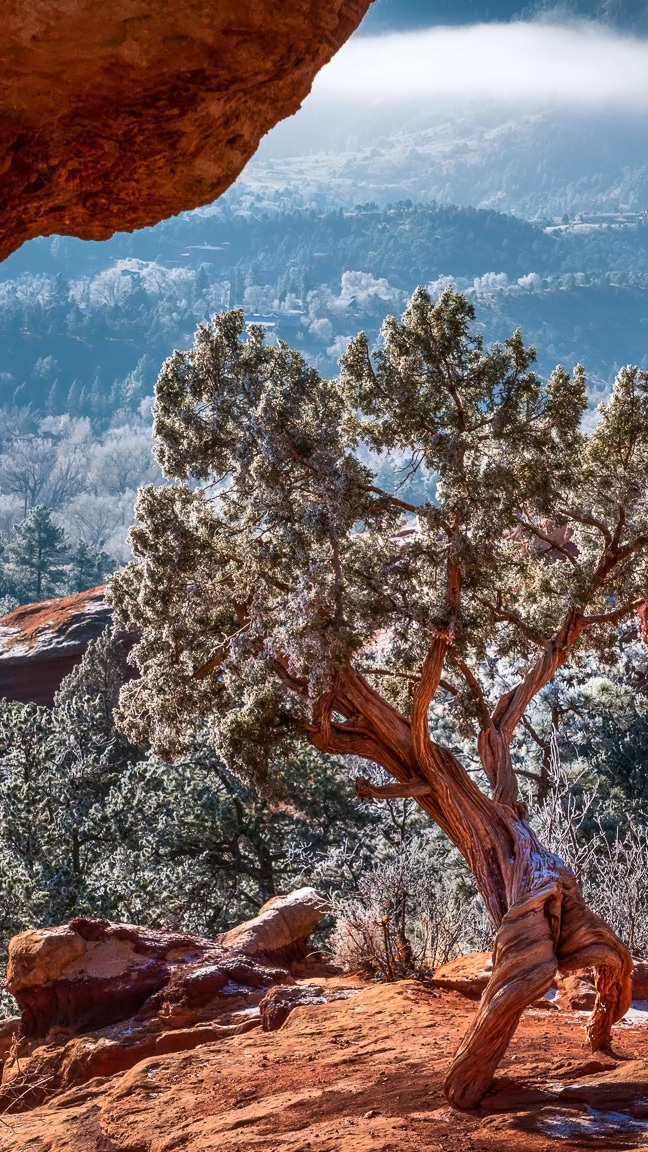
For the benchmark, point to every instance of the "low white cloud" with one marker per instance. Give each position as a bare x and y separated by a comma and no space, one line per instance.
531,64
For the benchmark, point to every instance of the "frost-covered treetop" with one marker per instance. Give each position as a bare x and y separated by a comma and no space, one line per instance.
277,561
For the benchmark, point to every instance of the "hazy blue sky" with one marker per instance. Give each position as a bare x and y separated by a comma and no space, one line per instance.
404,14
400,15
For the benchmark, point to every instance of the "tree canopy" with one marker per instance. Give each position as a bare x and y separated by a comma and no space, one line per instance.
276,561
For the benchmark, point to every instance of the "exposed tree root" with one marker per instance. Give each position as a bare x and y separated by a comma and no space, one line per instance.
524,965
586,941
548,930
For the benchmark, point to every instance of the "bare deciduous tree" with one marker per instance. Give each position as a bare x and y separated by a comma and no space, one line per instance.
26,466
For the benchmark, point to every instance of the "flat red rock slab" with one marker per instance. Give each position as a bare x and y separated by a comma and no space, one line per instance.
363,1074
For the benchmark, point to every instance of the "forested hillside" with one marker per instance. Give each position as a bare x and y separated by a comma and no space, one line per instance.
85,327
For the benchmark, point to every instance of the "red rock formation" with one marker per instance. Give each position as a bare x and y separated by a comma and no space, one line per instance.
41,643
466,974
114,116
281,930
278,1003
135,992
470,974
363,1074
92,973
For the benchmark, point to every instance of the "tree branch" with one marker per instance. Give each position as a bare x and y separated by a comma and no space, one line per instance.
448,687
553,544
295,683
619,528
476,689
221,649
457,402
365,790
590,521
373,730
529,775
432,670
215,662
535,736
513,618
611,617
632,546
512,706
339,580
543,780
388,496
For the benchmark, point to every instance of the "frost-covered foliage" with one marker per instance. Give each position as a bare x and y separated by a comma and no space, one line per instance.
89,824
277,560
38,562
601,833
411,912
86,485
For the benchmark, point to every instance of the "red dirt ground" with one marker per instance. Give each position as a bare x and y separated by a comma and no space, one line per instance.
359,1075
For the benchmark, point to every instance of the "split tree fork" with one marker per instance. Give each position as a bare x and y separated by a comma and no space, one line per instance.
533,899
286,590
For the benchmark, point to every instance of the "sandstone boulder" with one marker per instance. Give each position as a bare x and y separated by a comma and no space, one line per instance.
576,990
640,980
91,973
135,992
282,927
9,1030
615,1087
38,956
467,974
115,116
41,643
278,1003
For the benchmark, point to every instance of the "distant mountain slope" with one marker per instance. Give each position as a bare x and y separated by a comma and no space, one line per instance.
532,164
85,327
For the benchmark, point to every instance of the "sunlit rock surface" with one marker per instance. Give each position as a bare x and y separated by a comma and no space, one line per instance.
115,116
96,997
357,1068
282,928
41,643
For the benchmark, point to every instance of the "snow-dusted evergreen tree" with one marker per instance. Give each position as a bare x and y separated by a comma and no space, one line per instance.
36,555
283,596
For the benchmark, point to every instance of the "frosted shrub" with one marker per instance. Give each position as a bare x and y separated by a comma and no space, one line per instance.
616,884
410,914
612,867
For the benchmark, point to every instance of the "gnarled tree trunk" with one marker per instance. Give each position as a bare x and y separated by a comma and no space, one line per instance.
546,927
534,901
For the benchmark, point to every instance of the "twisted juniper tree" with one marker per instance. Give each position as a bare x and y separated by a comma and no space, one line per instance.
282,595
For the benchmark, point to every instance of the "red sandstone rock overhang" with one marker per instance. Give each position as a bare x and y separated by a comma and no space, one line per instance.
41,643
114,116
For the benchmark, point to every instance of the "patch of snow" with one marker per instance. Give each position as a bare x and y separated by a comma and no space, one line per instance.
637,1014
592,1125
232,989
